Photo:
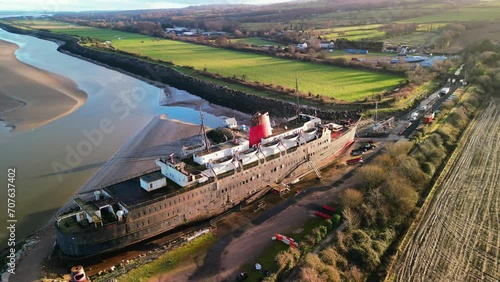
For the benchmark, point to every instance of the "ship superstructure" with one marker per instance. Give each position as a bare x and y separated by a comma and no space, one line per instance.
208,180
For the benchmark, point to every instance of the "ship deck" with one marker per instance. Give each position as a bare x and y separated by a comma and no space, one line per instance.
287,126
131,193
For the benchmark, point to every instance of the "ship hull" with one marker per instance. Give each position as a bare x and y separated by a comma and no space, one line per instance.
207,201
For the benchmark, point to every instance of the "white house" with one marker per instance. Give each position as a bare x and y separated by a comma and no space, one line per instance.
327,45
231,122
302,46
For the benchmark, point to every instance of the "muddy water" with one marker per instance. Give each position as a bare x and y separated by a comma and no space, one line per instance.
53,161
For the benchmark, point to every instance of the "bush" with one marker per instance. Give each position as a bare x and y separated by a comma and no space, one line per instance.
360,237
336,220
372,176
428,168
351,198
329,223
365,257
329,256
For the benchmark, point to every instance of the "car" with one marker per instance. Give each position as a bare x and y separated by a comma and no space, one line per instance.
356,153
242,276
370,146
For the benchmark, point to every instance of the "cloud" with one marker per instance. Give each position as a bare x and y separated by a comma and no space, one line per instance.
84,5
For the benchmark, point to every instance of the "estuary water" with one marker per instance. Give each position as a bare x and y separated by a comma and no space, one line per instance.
115,101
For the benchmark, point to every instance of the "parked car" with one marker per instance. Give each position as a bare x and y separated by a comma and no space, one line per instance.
356,152
242,276
354,161
370,146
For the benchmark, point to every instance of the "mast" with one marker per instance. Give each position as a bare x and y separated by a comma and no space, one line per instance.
297,92
203,132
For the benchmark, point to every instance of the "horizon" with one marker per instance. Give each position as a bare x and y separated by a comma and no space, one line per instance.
55,6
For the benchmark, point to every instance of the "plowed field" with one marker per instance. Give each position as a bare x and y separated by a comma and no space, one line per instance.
458,238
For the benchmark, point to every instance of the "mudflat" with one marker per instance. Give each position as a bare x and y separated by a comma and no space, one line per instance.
31,97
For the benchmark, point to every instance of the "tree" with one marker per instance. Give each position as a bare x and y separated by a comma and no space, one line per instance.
351,198
329,256
238,34
354,274
221,41
351,216
284,260
371,176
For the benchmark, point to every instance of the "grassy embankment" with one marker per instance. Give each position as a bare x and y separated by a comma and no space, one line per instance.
177,258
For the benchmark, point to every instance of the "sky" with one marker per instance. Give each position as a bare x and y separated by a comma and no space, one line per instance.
85,5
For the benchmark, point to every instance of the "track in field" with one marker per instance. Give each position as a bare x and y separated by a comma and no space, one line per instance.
458,238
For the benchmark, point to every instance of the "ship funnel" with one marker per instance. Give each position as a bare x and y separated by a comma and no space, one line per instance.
119,214
78,274
260,128
97,195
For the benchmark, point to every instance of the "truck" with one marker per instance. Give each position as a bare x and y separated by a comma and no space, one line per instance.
444,91
428,118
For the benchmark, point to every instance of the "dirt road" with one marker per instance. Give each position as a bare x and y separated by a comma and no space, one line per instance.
458,238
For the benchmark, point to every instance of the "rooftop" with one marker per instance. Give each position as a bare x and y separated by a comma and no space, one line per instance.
130,192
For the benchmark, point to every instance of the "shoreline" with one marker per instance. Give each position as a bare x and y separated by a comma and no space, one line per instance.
31,97
166,99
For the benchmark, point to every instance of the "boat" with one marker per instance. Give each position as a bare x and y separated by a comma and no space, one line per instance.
201,184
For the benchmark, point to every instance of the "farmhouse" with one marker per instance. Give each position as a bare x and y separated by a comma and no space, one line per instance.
327,45
230,123
302,46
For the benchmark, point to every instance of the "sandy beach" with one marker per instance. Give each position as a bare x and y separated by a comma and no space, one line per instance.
30,97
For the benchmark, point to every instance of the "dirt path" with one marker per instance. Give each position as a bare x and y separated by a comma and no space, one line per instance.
225,258
458,238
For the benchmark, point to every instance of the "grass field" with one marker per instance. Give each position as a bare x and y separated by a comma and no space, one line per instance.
194,250
472,13
258,42
354,33
414,38
339,83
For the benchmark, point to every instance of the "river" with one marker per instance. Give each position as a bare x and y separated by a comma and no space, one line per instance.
126,103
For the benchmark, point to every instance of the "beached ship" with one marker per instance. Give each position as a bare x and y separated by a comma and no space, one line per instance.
207,181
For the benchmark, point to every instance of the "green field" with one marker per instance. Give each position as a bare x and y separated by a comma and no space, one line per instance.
339,83
257,42
355,34
414,39
471,13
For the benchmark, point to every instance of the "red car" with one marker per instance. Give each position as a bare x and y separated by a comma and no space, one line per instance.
354,161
